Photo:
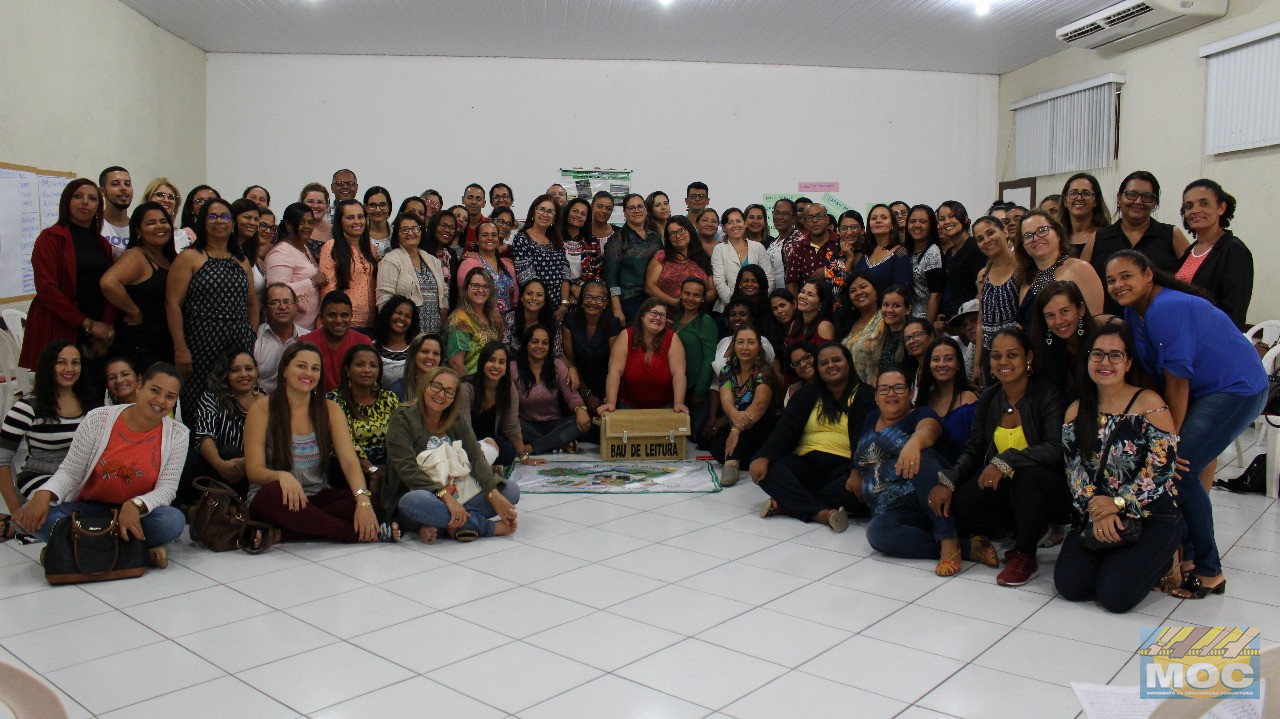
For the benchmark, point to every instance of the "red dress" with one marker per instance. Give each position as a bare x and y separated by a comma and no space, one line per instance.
647,385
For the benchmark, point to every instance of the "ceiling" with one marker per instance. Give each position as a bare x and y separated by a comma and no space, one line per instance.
942,35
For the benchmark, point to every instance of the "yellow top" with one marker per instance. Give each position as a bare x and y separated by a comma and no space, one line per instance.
1011,438
823,436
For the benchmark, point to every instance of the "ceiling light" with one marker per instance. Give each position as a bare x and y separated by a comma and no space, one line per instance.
665,3
982,7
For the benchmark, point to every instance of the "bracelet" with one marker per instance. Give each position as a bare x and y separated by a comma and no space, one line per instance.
581,406
1003,466
441,493
733,429
945,481
522,456
363,490
365,503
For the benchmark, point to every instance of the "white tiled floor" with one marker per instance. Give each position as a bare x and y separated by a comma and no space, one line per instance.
664,606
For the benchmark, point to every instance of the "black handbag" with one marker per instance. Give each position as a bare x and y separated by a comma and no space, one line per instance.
220,520
1130,528
90,549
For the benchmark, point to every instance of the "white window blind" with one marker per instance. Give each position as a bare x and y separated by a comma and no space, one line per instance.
1242,101
1070,129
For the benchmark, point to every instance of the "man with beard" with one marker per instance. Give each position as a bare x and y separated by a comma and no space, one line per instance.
117,192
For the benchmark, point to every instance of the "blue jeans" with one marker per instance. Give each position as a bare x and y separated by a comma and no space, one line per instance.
159,526
420,508
913,531
549,435
1211,425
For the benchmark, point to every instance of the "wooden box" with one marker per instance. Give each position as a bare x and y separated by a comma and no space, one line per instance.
643,435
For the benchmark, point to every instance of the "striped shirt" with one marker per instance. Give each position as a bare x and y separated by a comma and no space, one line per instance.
47,443
213,421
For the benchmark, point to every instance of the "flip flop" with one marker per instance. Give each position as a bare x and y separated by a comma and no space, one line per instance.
464,535
389,532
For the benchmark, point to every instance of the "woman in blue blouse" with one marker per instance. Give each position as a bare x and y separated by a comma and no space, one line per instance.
1135,483
884,256
1213,381
944,388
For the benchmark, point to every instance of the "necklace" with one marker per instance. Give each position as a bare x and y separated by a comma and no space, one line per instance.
1202,254
1045,276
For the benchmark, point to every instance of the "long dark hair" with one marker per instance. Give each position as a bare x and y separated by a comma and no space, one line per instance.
546,315
201,229
503,394
760,302
291,220
344,385
869,241
548,374
45,387
251,245
170,250
1051,361
1086,421
189,217
849,315
931,236
1101,216
563,221
340,251
798,324
429,241
280,414
1026,265
831,407
1162,278
695,251
64,204
382,323
553,232
766,237
927,380
216,384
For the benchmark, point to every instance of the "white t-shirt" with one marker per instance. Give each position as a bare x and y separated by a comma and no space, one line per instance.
117,236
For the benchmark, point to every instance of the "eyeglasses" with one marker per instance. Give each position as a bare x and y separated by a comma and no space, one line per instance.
635,208
656,314
1147,198
805,359
808,217
377,206
411,231
199,201
850,230
677,231
503,223
474,286
279,303
546,210
433,204
594,299
218,217
1114,356
344,183
448,392
164,196
501,198
267,228
900,213
697,196
1082,194
783,213
885,389
1041,232
917,336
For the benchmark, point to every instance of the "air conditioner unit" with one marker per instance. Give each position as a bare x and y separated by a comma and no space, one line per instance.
1137,22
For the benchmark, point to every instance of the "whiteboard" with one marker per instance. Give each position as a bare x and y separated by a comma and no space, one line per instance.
28,203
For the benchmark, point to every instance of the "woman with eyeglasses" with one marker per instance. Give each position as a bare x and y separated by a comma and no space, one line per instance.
290,262
626,259
679,259
746,398
928,278
851,234
894,471
733,254
433,201
350,264
488,255
210,301
136,285
804,463
1212,379
393,330
1043,258
200,194
860,324
289,438
945,389
647,364
800,360
537,252
1217,262
884,256
587,336
410,271
504,219
480,505
1133,481
377,209
1009,474
1136,229
1082,210
473,324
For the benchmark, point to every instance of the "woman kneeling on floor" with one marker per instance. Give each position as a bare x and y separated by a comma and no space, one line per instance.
1129,432
894,470
418,499
289,437
127,457
804,464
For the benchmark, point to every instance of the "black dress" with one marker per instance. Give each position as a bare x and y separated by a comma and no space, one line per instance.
149,342
215,319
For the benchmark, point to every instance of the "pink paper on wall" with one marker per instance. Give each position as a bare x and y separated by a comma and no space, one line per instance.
819,187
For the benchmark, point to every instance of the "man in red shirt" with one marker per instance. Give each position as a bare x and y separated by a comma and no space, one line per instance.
473,201
334,337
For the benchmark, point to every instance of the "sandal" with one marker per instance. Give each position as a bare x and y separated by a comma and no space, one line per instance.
389,532
771,509
982,551
1193,588
949,566
1173,578
464,535
837,519
8,528
263,539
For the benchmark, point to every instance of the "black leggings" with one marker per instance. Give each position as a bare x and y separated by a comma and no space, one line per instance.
748,442
804,485
1027,503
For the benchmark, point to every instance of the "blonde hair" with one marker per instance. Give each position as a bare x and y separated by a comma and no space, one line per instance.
451,414
155,185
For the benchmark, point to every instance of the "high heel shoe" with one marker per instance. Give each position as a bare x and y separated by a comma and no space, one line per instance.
1195,589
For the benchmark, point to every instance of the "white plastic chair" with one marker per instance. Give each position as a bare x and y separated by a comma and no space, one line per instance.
1268,333
16,321
1269,434
9,387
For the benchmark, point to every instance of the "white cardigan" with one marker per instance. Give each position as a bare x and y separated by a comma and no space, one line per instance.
397,277
725,267
91,441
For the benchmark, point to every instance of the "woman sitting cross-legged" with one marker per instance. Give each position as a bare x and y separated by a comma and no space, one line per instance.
746,396
894,470
1120,451
542,381
217,439
289,438
804,464
47,420
367,408
1009,474
123,457
421,502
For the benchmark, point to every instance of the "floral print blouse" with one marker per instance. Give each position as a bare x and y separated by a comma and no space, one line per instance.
1139,464
369,429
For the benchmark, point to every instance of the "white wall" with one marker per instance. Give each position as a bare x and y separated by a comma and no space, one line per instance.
409,123
91,83
1162,130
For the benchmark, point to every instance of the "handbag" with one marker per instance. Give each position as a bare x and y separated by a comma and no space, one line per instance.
90,549
1252,480
220,520
1130,530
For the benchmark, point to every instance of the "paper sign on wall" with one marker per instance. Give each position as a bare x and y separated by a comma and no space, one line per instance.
819,187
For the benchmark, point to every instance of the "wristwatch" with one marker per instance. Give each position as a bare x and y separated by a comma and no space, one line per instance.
1120,503
141,505
363,491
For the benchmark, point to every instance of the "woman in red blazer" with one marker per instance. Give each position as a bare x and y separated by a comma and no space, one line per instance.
68,260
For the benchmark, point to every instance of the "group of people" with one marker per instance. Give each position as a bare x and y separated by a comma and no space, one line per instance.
310,359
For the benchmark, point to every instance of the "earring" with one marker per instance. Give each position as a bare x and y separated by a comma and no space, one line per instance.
1028,369
1048,337
1080,328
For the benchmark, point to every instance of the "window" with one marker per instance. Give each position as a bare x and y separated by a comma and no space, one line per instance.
1242,99
1070,129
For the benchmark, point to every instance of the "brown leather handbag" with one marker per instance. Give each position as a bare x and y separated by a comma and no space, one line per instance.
90,549
220,520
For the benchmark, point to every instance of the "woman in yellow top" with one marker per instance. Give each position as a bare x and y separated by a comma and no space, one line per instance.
474,324
1010,473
